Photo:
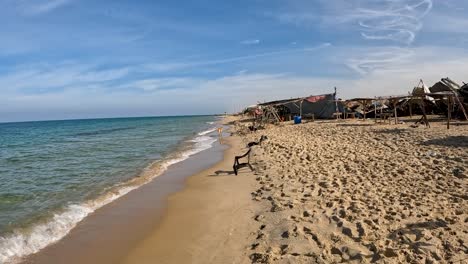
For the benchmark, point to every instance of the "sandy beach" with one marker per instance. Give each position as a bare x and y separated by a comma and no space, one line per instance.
244,132
208,222
361,192
322,192
179,217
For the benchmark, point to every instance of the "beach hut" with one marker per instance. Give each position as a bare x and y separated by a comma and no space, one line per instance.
323,106
450,97
464,93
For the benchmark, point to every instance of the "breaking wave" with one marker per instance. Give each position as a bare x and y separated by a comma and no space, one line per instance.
21,243
206,132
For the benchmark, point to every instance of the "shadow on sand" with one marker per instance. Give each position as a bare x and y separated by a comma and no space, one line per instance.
355,125
393,131
452,141
223,173
401,235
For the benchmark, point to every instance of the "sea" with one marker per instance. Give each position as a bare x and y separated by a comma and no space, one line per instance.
55,173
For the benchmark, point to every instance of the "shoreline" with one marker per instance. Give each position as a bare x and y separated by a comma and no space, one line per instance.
170,172
137,215
23,242
320,194
206,222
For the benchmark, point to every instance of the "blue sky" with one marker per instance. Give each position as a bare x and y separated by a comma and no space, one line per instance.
64,59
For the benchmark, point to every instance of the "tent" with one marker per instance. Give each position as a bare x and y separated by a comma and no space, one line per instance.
321,106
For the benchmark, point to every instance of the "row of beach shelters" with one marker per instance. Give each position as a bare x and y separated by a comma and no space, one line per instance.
450,95
323,106
445,97
442,98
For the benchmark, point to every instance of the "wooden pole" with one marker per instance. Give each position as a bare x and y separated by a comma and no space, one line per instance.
336,105
449,111
364,108
411,108
301,108
375,112
423,108
462,107
381,108
395,111
344,113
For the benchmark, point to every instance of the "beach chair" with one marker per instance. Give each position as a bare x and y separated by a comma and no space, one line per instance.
237,164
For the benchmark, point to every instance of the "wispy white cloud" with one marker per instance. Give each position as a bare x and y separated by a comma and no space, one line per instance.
397,20
268,54
166,67
42,78
405,61
397,76
372,59
386,70
191,94
250,42
395,23
241,72
160,84
42,6
391,20
139,56
174,66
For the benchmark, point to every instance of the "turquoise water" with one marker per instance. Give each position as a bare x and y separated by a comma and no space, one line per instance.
54,173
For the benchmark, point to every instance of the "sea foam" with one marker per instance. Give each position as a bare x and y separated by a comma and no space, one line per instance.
206,132
22,243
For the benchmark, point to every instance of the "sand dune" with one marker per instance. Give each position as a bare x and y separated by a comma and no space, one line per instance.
358,192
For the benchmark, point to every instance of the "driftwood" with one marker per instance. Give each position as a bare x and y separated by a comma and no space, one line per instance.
251,144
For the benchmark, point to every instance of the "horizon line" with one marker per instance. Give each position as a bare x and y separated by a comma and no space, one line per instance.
96,118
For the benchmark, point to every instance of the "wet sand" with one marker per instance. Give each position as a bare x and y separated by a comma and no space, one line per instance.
207,222
108,234
189,214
